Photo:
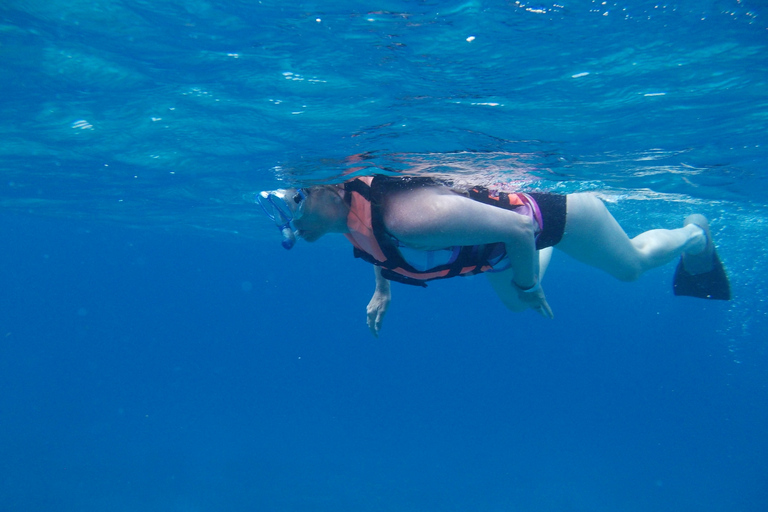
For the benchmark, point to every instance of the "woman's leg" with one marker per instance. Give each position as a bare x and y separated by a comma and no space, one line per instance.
593,236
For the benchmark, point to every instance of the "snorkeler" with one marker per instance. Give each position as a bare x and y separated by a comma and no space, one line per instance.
418,229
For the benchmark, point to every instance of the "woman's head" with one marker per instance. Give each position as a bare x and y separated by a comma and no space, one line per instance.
311,212
323,211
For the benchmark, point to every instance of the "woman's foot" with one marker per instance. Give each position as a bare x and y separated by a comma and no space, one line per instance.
699,259
700,272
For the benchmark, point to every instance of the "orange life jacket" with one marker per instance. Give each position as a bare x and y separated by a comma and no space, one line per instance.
372,242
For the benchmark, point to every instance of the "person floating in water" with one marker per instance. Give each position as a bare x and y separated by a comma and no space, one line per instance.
416,229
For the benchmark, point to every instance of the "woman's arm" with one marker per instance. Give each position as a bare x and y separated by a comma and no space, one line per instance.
435,218
379,303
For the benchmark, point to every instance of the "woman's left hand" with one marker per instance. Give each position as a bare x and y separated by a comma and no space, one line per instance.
535,300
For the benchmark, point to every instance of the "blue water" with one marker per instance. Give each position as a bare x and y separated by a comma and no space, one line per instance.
159,350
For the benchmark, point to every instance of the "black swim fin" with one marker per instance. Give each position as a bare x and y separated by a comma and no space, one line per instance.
710,285
702,275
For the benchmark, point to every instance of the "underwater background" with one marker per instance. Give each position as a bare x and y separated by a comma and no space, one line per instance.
160,351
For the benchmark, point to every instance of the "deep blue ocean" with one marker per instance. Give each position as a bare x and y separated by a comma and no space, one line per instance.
161,352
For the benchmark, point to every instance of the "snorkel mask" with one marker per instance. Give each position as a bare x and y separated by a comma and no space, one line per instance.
283,208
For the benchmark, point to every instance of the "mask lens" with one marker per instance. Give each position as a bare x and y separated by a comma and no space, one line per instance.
274,205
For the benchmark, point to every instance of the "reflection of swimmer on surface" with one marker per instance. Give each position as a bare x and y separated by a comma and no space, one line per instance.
418,229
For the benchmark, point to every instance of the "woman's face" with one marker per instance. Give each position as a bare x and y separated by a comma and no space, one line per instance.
320,216
311,226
